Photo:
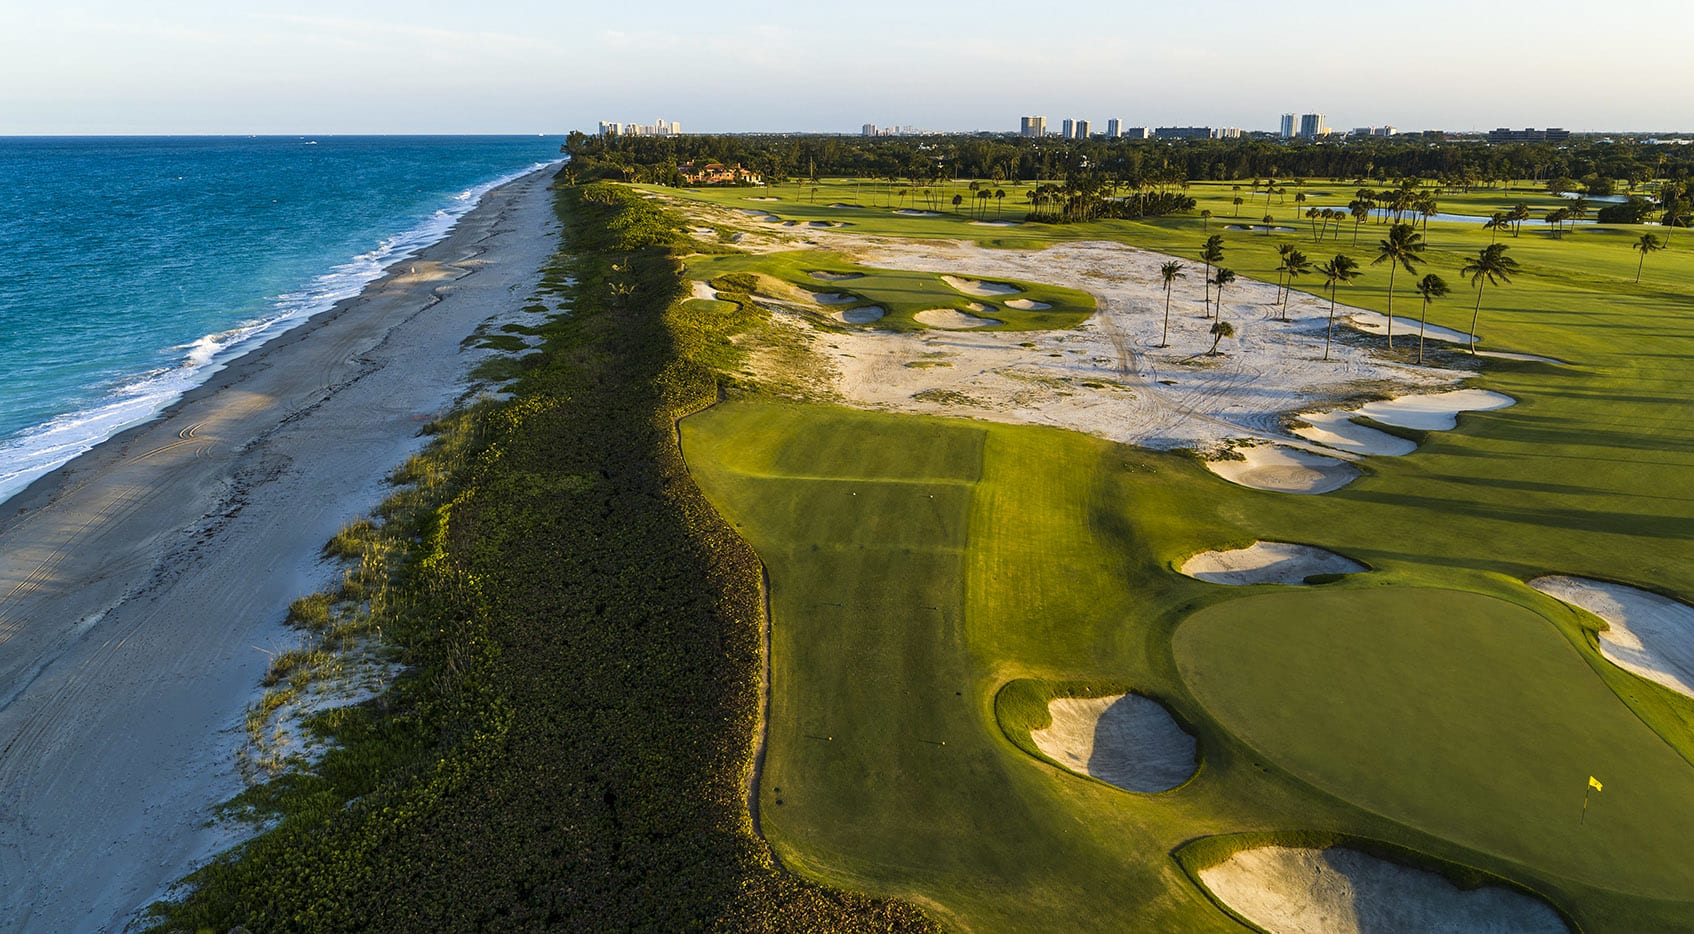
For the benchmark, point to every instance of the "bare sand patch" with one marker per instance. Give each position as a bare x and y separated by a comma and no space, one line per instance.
1338,890
980,288
1125,740
835,276
1024,304
1434,411
864,315
950,319
1268,563
1282,469
1649,635
912,212
1339,431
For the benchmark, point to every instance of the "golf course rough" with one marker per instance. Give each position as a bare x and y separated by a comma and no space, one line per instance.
1122,739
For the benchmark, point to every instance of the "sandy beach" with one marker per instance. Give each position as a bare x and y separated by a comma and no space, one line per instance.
142,585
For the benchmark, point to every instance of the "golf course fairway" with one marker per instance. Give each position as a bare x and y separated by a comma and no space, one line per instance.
919,565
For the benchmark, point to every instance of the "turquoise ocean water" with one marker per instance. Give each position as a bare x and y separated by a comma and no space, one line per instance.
132,268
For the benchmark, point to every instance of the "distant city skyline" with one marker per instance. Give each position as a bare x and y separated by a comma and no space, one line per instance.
525,66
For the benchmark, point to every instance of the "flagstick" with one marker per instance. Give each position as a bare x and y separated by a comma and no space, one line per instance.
1585,792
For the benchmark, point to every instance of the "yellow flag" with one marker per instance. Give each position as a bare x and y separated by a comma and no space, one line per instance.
1594,783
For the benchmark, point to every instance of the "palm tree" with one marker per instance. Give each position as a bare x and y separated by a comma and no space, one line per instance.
1206,220
1360,209
1269,220
1221,278
1578,210
1557,217
957,200
1212,254
1282,251
1238,202
1342,268
1520,213
1298,265
1169,273
1403,249
1498,220
999,196
1647,244
1491,266
1431,287
1220,330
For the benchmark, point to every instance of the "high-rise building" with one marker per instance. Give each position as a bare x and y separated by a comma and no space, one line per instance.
868,129
1069,131
1287,129
1081,129
1137,132
1313,126
1033,126
1114,128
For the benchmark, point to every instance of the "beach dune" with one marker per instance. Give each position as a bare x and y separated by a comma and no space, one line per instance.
143,584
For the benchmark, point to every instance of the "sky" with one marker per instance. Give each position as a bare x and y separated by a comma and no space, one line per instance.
545,66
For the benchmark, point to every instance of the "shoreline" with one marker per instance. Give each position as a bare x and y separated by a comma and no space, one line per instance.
142,582
263,330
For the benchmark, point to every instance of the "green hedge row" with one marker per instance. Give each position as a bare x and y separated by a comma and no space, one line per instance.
569,747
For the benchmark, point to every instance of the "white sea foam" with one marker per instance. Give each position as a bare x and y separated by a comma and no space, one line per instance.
35,451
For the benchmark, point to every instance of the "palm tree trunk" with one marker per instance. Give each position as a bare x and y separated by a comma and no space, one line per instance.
1391,270
1423,325
1639,265
1330,333
1474,312
1165,338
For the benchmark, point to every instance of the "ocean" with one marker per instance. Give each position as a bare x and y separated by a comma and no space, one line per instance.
136,267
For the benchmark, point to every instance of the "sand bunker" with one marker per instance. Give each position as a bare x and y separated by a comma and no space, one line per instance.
949,319
1024,304
835,276
1282,469
909,212
838,204
1339,431
764,199
702,290
826,223
1651,635
1268,563
994,223
1372,323
1288,890
1125,740
833,298
980,288
864,315
772,219
1436,411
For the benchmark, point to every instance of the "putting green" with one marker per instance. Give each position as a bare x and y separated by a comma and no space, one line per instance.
1464,715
